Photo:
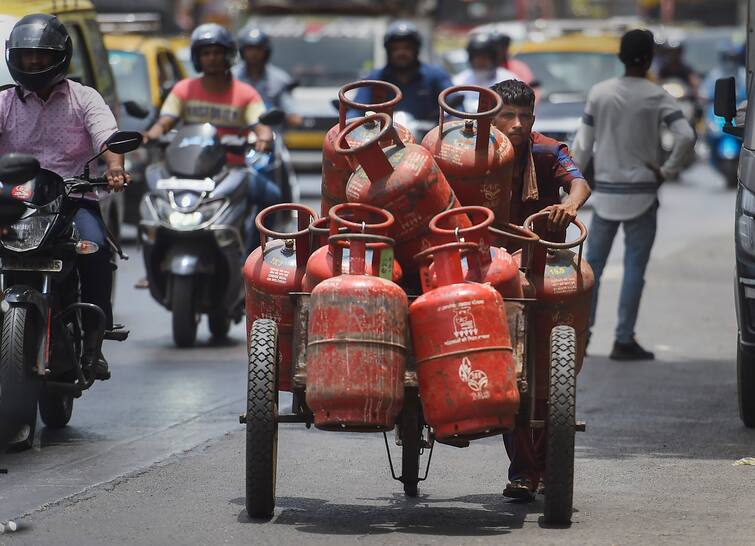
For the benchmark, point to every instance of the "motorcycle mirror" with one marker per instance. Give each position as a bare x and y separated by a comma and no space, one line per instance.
293,85
274,116
122,142
18,168
135,110
335,103
725,99
455,100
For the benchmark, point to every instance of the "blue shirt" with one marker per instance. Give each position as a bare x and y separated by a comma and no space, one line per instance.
420,95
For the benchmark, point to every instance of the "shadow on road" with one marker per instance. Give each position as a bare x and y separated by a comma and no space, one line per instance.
469,515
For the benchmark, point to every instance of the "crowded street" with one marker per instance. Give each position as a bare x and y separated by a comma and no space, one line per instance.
156,455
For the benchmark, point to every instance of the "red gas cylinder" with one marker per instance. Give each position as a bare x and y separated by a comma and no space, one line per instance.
356,346
403,179
353,218
477,158
497,266
336,169
274,269
465,364
564,283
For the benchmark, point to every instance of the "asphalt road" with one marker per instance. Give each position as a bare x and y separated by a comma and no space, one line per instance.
155,455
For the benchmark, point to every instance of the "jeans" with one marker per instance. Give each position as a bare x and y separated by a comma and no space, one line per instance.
261,192
95,270
639,234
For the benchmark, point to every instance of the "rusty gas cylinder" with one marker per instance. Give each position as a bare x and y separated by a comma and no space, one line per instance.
564,283
403,179
333,258
274,269
476,158
336,169
497,266
465,366
356,346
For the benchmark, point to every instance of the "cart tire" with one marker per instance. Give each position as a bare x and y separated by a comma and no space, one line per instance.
560,426
746,384
411,437
261,419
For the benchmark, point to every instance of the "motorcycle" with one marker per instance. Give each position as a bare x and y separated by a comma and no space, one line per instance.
41,340
193,220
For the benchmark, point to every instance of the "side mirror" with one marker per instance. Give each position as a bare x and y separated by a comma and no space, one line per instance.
293,85
273,116
123,142
335,103
725,99
135,110
455,100
18,168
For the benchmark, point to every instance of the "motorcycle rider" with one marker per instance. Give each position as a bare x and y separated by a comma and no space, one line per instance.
672,66
270,81
519,68
61,123
420,83
542,168
483,71
215,97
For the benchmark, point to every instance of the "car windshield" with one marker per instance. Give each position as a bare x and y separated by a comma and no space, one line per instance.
570,73
130,71
323,52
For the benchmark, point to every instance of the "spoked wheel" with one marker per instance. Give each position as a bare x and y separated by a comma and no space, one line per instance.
185,316
261,419
220,323
560,426
411,441
746,384
18,389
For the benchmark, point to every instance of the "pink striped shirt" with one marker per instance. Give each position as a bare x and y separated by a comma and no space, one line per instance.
62,132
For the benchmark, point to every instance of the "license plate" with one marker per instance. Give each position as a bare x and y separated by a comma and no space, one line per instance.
185,184
31,264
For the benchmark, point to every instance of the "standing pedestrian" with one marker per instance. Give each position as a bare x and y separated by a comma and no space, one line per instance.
620,130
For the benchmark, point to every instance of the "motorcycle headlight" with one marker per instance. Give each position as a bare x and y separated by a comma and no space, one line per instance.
204,214
28,233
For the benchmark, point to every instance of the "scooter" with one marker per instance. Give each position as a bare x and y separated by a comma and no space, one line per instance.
192,229
42,338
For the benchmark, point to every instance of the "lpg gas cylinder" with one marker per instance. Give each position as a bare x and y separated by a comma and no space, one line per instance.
403,179
333,258
497,266
564,284
476,158
335,167
356,346
273,270
465,366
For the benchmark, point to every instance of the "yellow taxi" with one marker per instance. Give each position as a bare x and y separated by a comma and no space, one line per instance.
565,69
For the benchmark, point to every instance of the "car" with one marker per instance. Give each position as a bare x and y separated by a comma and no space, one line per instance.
565,69
146,69
321,53
89,66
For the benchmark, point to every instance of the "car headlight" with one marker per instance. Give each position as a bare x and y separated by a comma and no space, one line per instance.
745,232
28,233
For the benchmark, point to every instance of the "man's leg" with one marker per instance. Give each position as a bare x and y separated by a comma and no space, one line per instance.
639,235
96,277
599,241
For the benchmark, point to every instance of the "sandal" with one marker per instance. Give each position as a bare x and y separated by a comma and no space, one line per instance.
519,489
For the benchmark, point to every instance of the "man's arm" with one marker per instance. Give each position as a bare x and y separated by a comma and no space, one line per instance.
584,141
100,124
170,113
568,175
684,139
163,125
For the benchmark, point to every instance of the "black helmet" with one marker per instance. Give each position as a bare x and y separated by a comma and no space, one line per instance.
45,33
402,30
482,43
212,34
252,36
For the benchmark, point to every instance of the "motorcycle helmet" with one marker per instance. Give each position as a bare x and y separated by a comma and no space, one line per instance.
482,44
212,34
252,36
402,30
44,33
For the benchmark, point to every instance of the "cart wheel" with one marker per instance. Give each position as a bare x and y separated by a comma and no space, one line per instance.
411,436
560,426
261,419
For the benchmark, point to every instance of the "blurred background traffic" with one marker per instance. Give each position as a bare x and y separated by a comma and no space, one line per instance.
562,47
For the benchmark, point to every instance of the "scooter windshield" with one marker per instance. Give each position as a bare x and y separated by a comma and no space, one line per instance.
195,152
